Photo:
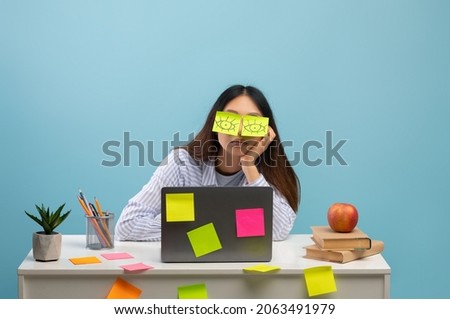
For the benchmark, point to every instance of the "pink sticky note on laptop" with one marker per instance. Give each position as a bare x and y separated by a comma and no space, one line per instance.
114,256
250,222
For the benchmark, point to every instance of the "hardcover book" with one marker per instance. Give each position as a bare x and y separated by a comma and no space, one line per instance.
343,256
326,238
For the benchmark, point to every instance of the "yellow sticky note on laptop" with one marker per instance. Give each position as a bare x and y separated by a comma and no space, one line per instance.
319,280
204,240
180,207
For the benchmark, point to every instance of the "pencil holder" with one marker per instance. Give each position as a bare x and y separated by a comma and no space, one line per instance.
100,231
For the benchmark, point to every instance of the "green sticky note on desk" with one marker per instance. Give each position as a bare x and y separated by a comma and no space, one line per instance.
197,291
204,240
319,280
180,207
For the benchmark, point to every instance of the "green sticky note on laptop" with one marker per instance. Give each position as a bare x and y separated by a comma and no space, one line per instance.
180,207
204,240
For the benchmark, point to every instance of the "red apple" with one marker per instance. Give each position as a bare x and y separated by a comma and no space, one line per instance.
342,217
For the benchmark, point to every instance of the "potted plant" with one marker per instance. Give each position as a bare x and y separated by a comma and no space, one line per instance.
47,243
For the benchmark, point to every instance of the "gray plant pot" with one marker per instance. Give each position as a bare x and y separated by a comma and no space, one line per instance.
46,247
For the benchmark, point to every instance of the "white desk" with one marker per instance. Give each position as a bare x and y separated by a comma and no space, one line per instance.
365,278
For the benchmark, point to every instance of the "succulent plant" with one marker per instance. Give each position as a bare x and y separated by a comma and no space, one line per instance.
49,220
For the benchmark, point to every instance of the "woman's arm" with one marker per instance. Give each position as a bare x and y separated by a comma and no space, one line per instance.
283,214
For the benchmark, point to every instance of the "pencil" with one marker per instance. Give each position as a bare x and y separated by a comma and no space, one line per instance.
100,212
105,242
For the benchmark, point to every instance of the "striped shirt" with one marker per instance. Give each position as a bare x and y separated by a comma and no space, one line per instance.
140,219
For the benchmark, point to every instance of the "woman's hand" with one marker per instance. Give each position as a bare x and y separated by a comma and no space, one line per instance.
255,150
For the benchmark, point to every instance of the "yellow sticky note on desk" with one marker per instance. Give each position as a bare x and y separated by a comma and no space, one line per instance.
196,291
261,268
85,260
319,280
122,289
180,207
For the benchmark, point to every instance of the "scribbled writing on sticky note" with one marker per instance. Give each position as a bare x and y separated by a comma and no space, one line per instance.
234,124
254,125
227,123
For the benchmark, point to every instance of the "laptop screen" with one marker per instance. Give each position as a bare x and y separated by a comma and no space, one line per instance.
216,224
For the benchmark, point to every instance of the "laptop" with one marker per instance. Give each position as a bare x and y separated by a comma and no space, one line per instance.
216,224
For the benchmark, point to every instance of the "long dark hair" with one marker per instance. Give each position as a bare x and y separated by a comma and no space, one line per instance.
273,163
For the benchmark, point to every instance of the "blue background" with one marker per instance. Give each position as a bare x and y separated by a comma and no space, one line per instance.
76,74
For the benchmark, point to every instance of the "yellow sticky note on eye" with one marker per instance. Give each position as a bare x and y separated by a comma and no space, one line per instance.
197,291
180,207
204,240
262,268
319,280
122,289
227,123
254,125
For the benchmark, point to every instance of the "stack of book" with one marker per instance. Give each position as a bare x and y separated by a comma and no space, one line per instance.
341,247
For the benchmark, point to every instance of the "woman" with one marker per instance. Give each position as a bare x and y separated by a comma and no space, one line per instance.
220,159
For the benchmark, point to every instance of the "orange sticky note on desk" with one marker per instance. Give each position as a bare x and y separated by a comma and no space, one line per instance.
85,260
319,280
180,207
123,290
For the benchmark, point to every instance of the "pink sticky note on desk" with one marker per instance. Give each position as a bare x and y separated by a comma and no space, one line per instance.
250,222
114,256
136,267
